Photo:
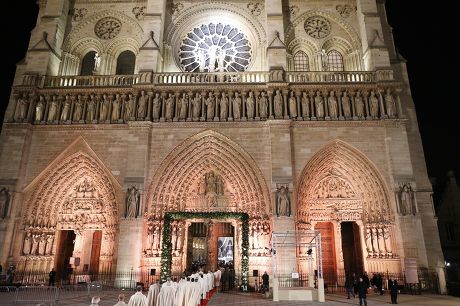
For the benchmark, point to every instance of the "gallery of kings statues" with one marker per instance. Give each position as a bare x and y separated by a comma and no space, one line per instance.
248,119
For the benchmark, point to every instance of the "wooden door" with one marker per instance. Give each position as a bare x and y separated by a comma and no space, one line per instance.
328,247
95,253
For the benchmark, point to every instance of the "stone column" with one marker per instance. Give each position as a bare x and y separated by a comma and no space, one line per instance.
298,95
270,104
338,246
276,51
383,114
311,93
375,52
285,106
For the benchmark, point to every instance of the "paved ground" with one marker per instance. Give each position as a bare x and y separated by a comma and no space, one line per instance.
109,298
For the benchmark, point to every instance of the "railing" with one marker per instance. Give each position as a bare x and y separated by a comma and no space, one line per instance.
171,78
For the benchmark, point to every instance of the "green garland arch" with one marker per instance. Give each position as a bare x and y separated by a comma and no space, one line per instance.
166,256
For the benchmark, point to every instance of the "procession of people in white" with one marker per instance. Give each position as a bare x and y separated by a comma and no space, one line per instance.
189,291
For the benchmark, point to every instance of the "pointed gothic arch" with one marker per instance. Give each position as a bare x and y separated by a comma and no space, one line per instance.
176,184
362,195
77,173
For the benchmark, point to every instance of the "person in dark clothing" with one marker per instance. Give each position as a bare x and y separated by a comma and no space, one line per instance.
362,291
366,279
224,280
52,277
349,284
393,286
355,284
379,283
265,282
231,280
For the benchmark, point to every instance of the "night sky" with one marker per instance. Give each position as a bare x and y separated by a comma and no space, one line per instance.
422,37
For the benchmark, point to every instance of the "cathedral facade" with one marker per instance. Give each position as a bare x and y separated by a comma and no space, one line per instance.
240,118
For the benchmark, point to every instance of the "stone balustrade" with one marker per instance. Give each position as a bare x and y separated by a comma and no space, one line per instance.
206,78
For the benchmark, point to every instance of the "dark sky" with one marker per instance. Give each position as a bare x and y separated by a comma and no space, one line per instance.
421,35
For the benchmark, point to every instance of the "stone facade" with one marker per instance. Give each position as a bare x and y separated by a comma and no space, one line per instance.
294,149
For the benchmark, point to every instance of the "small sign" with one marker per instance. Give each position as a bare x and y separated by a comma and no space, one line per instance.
411,270
295,275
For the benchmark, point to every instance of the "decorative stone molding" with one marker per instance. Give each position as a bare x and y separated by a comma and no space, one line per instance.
255,8
78,14
317,27
138,12
345,10
176,8
293,10
107,28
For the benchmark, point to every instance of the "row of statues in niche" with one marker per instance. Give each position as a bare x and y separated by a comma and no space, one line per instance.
259,238
378,242
38,244
207,106
155,236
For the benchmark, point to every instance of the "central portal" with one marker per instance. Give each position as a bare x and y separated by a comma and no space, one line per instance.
210,245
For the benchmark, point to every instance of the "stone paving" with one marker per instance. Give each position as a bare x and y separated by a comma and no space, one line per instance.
109,298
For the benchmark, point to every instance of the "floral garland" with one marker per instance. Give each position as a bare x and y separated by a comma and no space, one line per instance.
166,254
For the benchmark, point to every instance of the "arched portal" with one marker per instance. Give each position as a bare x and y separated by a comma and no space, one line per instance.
207,173
342,194
72,212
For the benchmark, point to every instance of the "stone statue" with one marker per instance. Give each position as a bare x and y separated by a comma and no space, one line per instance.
22,106
359,105
332,103
386,237
373,105
369,241
209,106
283,204
104,110
35,243
169,107
91,109
183,107
116,108
263,106
237,106
220,60
41,244
97,62
201,60
250,105
278,104
375,245
141,107
49,244
346,105
78,109
390,104
132,202
130,105
305,105
39,109
196,106
382,250
156,106
406,200
66,109
4,202
52,113
319,105
324,59
223,107
292,106
27,244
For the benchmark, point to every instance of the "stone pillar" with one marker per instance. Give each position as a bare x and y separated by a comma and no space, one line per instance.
276,51
129,248
375,52
150,58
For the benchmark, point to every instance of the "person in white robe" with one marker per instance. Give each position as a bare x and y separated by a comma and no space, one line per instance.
152,295
167,294
138,298
121,300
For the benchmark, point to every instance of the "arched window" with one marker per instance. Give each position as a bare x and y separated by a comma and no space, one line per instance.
87,64
301,61
126,62
334,61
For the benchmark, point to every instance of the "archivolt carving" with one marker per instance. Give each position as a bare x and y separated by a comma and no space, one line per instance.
339,44
122,44
340,183
76,193
178,184
303,44
84,45
354,37
91,20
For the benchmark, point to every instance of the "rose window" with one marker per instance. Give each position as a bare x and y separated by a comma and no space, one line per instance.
215,48
317,27
107,28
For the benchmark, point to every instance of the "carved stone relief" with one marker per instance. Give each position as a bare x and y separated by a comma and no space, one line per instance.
255,8
283,200
345,10
317,27
78,13
5,198
107,28
138,12
133,198
406,199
